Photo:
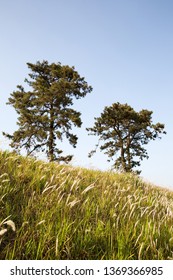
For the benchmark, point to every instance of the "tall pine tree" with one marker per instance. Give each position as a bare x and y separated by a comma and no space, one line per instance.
45,110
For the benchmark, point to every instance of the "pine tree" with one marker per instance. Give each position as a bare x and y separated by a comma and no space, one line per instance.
124,132
45,110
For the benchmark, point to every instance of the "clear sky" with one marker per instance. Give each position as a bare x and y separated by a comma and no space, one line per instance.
123,48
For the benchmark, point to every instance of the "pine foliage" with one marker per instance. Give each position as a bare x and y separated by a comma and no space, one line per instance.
45,109
124,132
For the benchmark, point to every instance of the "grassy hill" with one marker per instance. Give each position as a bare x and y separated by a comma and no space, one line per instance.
51,211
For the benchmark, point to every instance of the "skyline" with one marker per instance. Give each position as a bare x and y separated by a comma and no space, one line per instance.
122,48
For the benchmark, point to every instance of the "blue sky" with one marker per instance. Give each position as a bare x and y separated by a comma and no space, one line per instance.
123,48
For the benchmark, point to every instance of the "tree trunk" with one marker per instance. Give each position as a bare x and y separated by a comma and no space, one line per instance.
51,146
51,137
123,162
129,167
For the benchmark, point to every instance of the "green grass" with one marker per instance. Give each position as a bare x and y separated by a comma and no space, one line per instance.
62,212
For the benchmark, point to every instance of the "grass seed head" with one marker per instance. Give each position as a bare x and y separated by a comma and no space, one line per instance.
3,231
11,224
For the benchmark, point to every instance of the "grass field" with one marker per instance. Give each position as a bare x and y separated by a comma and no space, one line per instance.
50,211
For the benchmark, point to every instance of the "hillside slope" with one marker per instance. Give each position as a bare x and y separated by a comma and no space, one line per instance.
50,211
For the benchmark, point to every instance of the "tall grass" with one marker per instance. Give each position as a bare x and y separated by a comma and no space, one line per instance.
50,211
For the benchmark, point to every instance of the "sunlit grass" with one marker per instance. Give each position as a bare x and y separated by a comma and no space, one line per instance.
51,211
